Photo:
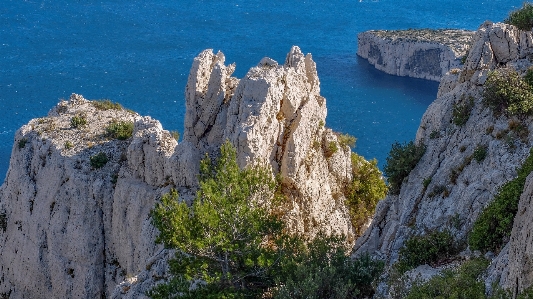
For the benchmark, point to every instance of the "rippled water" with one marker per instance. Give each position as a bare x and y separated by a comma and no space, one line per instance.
139,54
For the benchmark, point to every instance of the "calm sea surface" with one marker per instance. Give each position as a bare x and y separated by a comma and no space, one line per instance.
139,53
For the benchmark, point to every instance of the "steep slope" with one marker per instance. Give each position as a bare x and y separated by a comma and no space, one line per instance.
72,228
461,187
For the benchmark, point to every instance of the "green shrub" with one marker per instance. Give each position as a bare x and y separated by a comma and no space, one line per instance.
78,121
439,190
431,249
463,59
401,160
230,239
322,270
496,221
346,140
331,149
365,190
3,221
529,77
98,160
505,91
522,18
480,152
68,145
434,135
220,239
461,283
22,142
461,111
426,182
121,130
106,105
175,135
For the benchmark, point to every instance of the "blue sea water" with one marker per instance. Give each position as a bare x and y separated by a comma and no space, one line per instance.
139,53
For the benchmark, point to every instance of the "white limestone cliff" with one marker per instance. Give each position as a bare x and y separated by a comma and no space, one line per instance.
70,230
418,53
464,194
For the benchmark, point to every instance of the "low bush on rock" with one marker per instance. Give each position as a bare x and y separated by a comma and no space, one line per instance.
22,143
495,223
365,190
106,105
231,244
78,121
98,160
461,111
120,130
346,140
522,18
480,152
401,160
431,249
462,282
506,92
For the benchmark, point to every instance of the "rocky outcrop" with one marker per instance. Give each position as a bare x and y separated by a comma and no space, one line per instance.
422,53
72,229
461,187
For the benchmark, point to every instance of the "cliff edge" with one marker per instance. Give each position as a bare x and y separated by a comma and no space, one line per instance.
74,208
418,53
448,189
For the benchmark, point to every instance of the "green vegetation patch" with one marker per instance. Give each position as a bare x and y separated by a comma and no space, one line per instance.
432,249
522,17
175,135
365,190
346,140
506,92
461,111
106,105
120,130
3,221
401,160
496,221
22,143
78,121
480,152
462,282
98,160
232,240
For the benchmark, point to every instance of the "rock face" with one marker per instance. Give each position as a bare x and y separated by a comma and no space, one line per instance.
424,53
70,229
462,187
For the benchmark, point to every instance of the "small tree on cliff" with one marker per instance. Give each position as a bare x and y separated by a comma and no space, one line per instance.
227,240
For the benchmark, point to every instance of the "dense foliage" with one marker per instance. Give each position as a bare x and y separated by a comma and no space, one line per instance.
401,160
230,245
461,111
432,249
98,160
106,105
505,91
78,121
120,130
522,18
365,190
460,283
496,221
322,270
227,238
